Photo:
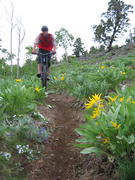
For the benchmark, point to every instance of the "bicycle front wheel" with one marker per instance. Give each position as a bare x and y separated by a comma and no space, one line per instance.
44,81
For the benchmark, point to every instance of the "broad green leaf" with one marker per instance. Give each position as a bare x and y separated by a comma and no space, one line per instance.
91,150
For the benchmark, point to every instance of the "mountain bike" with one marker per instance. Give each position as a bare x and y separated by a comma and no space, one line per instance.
45,65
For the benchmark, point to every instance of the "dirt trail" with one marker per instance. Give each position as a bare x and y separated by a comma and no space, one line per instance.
60,159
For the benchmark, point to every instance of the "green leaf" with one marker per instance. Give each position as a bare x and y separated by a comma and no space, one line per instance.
82,140
91,150
82,145
116,111
80,132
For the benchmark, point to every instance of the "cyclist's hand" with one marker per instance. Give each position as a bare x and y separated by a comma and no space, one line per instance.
53,52
34,51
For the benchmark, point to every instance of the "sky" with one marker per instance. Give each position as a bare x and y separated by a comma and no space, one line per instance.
77,16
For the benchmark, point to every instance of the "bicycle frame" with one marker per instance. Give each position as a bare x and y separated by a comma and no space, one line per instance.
44,74
45,66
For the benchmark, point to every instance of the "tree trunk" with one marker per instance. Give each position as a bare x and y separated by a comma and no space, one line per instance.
11,58
110,44
18,55
21,35
112,38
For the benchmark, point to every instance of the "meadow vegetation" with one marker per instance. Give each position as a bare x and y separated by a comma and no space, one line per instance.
107,90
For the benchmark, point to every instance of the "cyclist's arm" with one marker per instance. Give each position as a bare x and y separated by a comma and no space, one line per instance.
34,48
54,45
35,44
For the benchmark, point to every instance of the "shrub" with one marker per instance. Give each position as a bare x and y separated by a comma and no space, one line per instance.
110,127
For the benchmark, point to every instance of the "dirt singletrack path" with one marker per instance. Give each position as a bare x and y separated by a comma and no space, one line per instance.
61,159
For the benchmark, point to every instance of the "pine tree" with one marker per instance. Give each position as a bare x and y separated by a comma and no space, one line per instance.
79,49
113,23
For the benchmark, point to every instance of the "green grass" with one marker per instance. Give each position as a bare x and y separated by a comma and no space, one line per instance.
109,78
82,79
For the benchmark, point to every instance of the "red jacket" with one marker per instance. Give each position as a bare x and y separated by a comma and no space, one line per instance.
46,42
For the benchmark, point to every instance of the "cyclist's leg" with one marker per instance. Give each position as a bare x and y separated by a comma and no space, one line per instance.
48,70
39,61
39,68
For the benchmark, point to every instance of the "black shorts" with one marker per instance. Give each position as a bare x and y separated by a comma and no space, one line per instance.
40,57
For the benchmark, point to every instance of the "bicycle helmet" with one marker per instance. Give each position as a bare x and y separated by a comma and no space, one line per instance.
44,28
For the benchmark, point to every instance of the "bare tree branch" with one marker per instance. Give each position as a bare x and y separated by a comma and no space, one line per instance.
10,13
21,36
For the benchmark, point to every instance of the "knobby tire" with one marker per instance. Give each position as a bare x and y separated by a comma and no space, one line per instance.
44,81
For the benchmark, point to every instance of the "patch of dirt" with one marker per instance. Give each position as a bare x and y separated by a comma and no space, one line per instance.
61,160
60,157
94,168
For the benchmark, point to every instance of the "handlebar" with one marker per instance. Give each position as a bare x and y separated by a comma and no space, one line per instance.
50,53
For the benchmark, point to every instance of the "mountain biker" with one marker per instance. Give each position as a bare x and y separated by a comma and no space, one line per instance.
46,44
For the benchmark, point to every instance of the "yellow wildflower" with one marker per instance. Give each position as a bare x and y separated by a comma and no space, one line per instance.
101,107
55,78
102,67
121,99
62,78
95,100
106,140
18,80
123,73
37,90
129,100
113,99
115,125
96,113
